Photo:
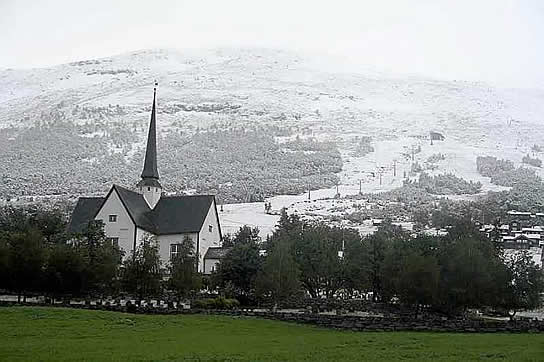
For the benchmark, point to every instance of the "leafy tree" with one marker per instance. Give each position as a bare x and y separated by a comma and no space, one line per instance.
316,253
523,285
184,277
244,235
64,272
356,262
418,280
51,223
26,256
141,273
102,259
241,264
468,273
375,247
279,274
4,261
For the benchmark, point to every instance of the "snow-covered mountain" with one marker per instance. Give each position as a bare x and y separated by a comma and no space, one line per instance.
246,87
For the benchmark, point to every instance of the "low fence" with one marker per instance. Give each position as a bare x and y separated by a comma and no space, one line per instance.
344,322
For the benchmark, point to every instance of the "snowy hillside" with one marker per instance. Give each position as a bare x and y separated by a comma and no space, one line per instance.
110,99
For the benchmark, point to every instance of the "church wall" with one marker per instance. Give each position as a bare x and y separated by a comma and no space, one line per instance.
123,228
209,238
166,240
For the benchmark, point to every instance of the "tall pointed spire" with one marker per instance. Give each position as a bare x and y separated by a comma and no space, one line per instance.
150,162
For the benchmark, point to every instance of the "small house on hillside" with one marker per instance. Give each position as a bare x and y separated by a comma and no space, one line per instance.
435,136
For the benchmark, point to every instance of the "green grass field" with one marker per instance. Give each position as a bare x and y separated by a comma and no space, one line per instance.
57,334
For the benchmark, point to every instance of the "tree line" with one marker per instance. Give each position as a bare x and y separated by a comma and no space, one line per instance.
299,260
38,257
444,274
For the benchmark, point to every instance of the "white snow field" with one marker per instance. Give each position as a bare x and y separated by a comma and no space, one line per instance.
294,91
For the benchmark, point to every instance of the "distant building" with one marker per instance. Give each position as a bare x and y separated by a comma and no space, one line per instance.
435,136
522,232
129,215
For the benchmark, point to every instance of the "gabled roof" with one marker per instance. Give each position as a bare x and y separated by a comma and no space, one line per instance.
181,214
137,208
171,215
216,252
85,211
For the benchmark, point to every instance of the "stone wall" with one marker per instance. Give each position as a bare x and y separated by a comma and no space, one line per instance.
345,322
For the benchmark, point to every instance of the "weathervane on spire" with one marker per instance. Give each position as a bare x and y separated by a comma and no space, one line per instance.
155,88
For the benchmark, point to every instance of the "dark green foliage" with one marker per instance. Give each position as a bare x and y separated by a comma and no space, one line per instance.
102,259
50,223
244,235
490,166
184,278
249,160
65,270
141,274
4,262
378,247
36,255
446,184
355,263
240,266
468,273
279,276
316,253
216,303
418,281
26,258
523,283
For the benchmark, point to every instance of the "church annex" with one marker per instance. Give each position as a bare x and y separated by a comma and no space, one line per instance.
128,215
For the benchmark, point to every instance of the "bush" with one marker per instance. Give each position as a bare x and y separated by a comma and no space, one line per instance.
436,157
447,184
536,162
216,303
490,166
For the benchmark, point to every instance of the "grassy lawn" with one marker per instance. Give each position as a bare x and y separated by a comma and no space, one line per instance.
67,334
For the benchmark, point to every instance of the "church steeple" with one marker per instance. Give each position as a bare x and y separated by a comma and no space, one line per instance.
149,185
150,163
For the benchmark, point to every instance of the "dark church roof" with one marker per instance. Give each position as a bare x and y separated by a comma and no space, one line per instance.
171,215
87,208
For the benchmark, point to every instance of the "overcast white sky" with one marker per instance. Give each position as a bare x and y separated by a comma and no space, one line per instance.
496,41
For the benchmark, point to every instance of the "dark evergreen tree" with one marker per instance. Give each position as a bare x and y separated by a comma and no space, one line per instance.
141,274
279,276
184,277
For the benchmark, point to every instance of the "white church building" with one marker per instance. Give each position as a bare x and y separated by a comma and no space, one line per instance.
129,215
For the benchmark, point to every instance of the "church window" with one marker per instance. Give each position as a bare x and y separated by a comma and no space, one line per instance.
149,189
113,218
114,241
210,228
175,249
